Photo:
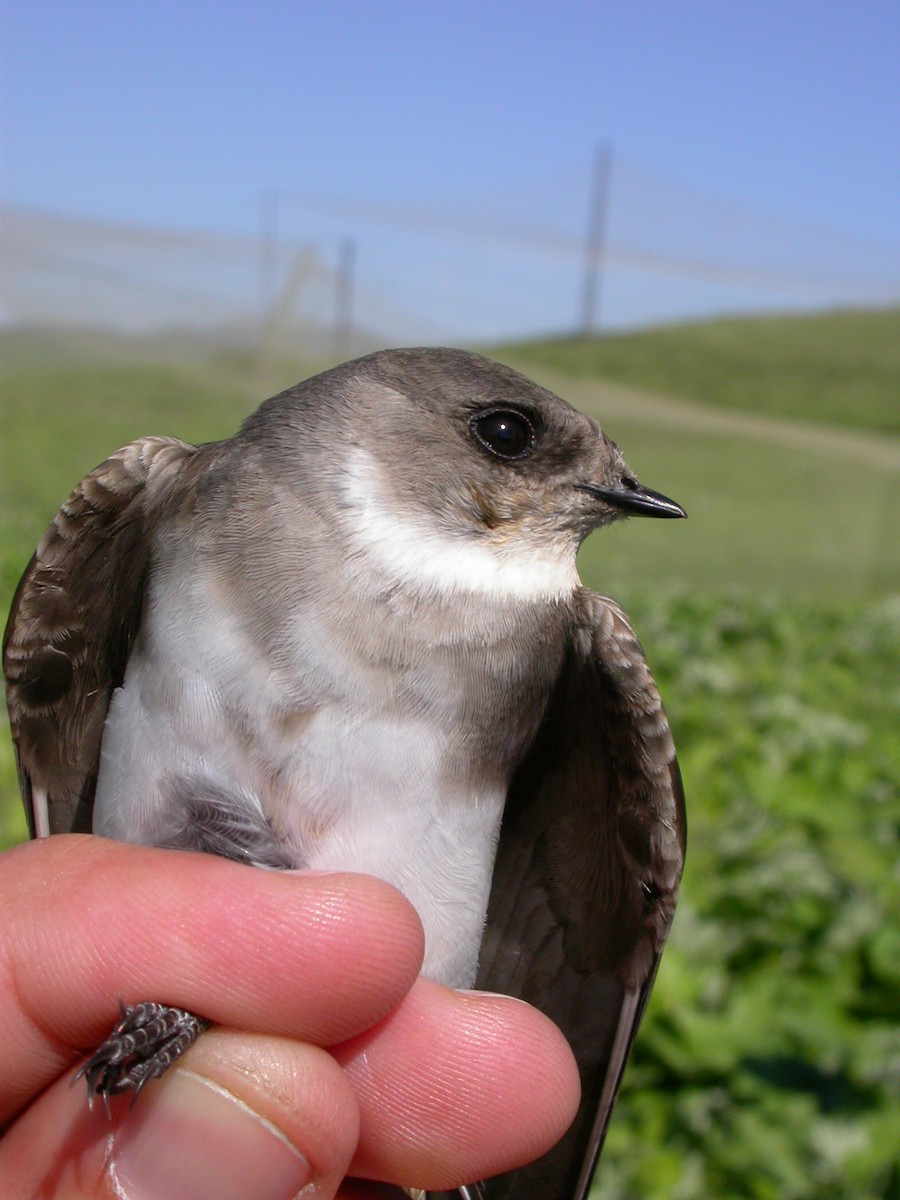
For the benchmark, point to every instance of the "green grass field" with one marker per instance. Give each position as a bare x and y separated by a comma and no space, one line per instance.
841,368
769,1064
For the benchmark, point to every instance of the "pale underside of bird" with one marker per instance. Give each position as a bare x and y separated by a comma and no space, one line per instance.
353,637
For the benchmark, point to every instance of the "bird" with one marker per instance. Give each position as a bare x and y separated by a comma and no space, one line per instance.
353,636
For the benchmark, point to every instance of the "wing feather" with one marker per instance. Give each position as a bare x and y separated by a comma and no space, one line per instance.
73,619
586,878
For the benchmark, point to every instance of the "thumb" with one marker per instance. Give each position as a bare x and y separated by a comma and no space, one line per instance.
239,1115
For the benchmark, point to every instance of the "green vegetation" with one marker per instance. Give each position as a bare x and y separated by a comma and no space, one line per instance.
843,367
769,1064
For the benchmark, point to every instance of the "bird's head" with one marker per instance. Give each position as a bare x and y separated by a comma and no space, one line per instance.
448,460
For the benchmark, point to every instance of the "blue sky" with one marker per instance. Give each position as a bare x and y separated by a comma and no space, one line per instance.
180,114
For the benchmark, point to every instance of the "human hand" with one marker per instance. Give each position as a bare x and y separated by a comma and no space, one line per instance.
329,1057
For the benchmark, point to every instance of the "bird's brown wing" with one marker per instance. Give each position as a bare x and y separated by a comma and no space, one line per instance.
73,619
588,865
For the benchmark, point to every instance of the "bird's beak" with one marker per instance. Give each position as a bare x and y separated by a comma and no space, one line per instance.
636,500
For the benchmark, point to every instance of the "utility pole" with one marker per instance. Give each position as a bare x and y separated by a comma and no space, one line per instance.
267,253
344,286
594,244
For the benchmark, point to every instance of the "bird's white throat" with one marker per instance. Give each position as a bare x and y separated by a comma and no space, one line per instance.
413,552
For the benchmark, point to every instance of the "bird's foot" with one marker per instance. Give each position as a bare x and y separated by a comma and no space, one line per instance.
142,1045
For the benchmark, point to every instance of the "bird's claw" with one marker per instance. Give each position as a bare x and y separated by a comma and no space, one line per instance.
142,1045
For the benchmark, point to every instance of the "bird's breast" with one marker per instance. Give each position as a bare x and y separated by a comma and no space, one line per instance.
402,772
374,738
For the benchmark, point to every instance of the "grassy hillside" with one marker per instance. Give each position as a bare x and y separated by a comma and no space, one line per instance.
769,1061
69,400
841,367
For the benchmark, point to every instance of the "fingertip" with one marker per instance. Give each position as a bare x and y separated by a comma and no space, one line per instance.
456,1086
291,1087
515,1044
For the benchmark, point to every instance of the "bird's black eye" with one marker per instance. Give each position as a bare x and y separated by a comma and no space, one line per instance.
506,433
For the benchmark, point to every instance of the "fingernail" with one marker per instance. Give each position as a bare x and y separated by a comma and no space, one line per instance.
496,996
188,1138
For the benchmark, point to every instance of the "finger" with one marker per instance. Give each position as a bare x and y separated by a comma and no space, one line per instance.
456,1086
363,1189
88,921
239,1116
